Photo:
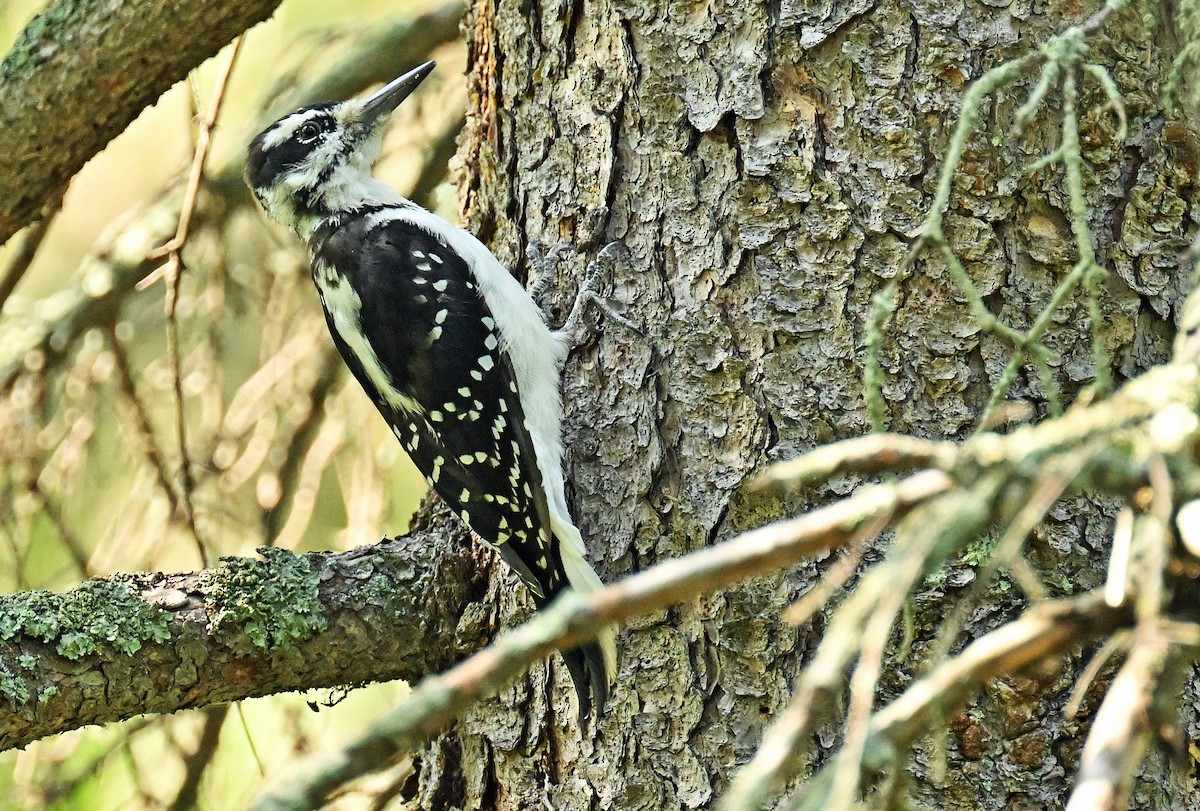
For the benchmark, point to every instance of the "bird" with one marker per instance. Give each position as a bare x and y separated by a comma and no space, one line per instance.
449,346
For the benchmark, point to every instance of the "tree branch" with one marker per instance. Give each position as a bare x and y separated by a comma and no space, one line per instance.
156,643
122,259
84,71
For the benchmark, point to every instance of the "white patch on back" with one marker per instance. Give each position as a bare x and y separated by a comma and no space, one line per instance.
344,305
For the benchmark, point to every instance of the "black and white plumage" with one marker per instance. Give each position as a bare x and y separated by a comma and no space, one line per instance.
448,345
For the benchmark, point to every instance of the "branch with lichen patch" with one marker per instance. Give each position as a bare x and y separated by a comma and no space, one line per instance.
156,643
124,257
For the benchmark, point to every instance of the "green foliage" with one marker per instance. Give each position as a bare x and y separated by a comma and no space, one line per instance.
99,615
979,552
274,602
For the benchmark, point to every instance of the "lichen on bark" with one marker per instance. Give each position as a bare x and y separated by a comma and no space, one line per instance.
275,603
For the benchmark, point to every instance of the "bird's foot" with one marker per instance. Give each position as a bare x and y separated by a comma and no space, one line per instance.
599,270
543,266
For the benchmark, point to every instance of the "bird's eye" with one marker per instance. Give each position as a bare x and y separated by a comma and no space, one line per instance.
309,132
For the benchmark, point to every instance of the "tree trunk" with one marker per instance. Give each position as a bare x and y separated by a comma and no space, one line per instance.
766,167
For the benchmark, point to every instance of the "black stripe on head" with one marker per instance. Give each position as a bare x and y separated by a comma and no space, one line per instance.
284,146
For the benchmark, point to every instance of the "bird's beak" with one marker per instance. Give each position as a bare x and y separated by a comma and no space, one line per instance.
388,97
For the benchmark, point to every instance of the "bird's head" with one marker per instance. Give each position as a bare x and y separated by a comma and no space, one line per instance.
317,160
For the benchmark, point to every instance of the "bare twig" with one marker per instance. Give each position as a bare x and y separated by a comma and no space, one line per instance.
1117,643
1045,492
23,259
866,454
1122,727
1043,631
844,794
206,121
197,762
929,534
809,603
74,546
147,439
171,270
302,440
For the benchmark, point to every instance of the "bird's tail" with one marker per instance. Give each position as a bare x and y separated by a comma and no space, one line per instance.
586,666
593,666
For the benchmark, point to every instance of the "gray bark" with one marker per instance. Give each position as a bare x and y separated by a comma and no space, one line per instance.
765,167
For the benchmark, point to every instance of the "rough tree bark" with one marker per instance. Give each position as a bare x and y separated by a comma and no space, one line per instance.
766,166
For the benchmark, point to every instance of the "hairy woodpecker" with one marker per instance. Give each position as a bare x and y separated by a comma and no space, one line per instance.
448,345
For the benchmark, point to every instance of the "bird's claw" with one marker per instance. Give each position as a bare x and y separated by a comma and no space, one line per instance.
573,327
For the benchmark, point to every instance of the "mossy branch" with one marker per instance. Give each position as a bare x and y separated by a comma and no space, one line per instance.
121,259
156,643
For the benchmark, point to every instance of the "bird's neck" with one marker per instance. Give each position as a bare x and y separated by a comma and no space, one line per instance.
348,188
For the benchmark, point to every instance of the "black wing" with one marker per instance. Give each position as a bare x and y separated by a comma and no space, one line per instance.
450,394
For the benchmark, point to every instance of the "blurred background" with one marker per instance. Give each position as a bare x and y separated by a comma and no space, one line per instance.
282,447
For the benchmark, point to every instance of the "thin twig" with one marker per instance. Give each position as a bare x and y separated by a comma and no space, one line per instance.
923,542
1041,632
23,259
871,453
1115,644
197,762
1045,492
1121,729
148,439
1154,542
1093,274
205,124
862,697
74,546
172,271
303,438
262,771
1045,630
809,603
